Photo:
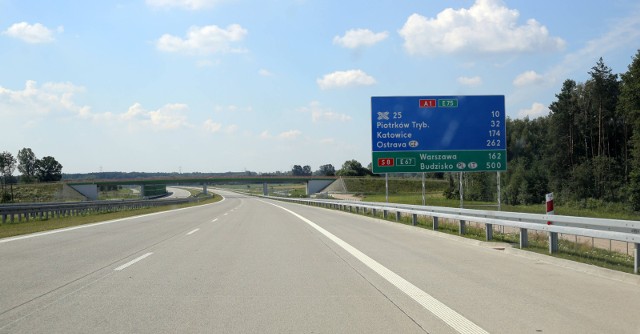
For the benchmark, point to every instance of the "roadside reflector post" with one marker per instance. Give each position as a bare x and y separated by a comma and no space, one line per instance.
524,238
636,259
553,236
489,234
462,227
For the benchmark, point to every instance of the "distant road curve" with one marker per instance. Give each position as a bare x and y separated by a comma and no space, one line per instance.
177,193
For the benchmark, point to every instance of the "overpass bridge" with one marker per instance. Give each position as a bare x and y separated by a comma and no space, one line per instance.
151,187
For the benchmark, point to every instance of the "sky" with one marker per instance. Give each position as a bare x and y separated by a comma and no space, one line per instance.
234,85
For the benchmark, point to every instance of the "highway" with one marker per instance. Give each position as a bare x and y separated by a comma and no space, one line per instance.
250,265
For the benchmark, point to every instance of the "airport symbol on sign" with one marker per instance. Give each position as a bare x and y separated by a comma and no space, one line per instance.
383,116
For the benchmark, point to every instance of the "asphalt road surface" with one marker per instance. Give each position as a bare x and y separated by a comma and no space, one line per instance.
249,265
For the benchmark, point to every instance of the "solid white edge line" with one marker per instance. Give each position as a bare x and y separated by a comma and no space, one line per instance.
431,304
194,231
133,261
41,234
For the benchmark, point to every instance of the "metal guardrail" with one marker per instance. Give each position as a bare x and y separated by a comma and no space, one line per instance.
12,212
611,229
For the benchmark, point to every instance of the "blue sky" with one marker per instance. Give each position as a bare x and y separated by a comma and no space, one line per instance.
229,85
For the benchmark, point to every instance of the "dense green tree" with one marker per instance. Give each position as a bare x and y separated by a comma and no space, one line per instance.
48,169
297,170
27,165
561,150
604,89
326,170
7,167
353,168
629,105
480,186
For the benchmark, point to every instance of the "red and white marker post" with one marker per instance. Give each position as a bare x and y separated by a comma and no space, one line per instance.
549,198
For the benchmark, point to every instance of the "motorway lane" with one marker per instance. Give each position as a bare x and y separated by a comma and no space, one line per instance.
251,269
39,269
244,265
502,293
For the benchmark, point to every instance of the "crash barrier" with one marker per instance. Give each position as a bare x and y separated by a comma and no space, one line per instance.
12,213
611,229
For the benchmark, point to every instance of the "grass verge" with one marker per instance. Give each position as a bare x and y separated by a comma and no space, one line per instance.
538,242
33,226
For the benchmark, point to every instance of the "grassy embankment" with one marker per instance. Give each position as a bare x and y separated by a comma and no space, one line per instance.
409,191
39,225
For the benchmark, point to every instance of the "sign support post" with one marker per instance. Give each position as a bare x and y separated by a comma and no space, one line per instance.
499,192
424,200
386,186
461,193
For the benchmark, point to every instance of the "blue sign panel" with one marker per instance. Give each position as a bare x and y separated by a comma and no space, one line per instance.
407,128
438,123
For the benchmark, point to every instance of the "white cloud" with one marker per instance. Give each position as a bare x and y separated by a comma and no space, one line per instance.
537,110
340,79
185,4
625,31
470,81
50,97
265,73
265,135
212,126
32,33
203,63
327,141
527,78
288,135
487,27
231,129
232,109
168,117
356,38
321,114
204,40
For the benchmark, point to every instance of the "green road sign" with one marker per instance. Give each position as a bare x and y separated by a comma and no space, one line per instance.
440,161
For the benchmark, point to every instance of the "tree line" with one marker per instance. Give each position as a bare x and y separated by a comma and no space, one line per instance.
31,168
349,168
586,149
